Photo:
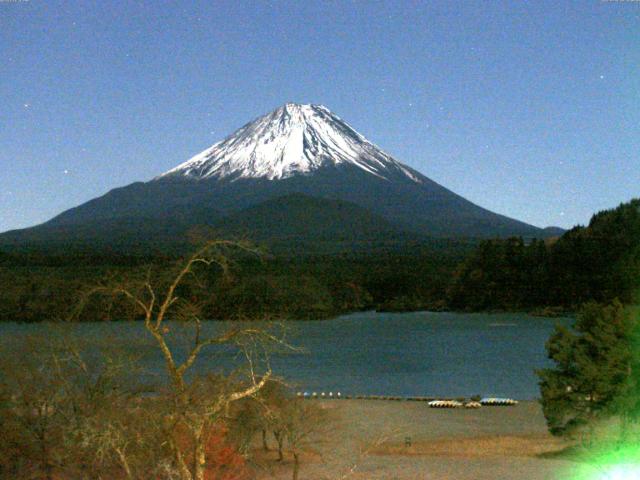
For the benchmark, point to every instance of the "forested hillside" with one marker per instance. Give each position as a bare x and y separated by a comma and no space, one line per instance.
598,262
35,287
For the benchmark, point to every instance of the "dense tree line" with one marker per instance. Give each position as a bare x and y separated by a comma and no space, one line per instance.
598,262
40,287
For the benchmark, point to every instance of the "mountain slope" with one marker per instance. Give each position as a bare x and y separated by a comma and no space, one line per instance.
300,218
290,221
296,149
132,234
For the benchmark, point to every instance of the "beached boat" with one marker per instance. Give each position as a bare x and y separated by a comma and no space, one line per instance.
493,401
445,404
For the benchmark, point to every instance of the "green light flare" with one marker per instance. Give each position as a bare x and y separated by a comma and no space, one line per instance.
622,472
621,463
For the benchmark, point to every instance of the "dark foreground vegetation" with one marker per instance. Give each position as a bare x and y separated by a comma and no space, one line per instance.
68,412
591,396
598,262
597,371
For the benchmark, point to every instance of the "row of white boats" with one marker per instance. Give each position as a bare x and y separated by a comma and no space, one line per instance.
489,401
432,402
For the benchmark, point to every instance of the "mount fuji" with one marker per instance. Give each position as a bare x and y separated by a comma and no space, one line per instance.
297,173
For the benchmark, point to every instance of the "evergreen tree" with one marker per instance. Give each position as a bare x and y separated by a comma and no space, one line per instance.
595,370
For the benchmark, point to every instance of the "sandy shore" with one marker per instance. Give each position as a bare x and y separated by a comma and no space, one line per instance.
377,439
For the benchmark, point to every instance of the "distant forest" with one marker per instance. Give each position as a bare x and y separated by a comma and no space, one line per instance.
598,262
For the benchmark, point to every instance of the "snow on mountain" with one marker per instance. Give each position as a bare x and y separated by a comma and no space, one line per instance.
293,139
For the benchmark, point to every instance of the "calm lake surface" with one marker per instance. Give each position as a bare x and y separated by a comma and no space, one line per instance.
408,354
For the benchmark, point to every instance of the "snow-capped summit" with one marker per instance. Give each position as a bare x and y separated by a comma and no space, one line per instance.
293,139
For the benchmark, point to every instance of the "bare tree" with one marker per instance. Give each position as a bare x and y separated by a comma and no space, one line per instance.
198,404
303,422
50,394
273,402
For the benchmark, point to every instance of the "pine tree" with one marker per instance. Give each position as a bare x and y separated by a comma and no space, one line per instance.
595,372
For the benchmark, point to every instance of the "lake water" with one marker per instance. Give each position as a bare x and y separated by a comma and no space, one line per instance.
407,354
